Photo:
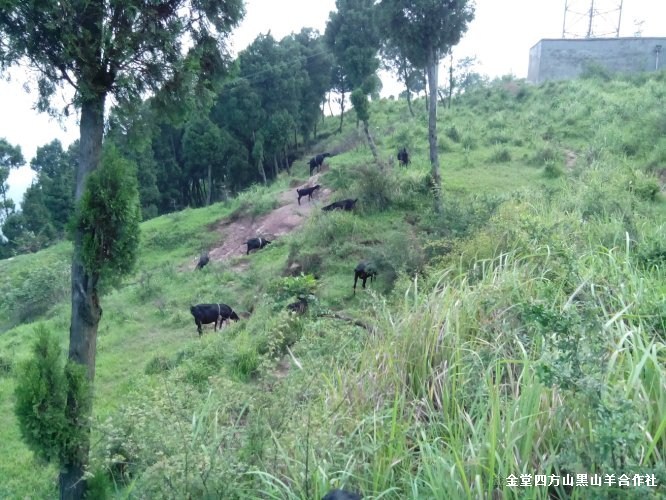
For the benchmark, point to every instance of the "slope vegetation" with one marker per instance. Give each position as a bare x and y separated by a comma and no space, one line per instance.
520,332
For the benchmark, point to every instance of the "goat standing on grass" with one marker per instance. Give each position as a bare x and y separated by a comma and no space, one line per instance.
317,161
203,260
309,191
364,270
300,307
205,314
347,204
256,244
403,157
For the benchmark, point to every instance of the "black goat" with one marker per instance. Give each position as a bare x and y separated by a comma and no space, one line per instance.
317,161
205,314
341,495
300,307
364,270
203,260
309,191
256,244
403,157
347,204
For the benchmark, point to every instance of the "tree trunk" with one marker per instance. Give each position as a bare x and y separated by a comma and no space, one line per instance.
371,143
262,172
342,110
86,311
409,102
330,109
405,76
209,192
286,161
425,90
450,80
276,169
432,128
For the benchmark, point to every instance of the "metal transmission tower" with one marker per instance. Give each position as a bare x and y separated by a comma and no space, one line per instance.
591,18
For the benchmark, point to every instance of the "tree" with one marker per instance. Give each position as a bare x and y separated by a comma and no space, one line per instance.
340,84
395,61
425,31
203,152
55,170
318,63
10,157
105,48
461,77
353,37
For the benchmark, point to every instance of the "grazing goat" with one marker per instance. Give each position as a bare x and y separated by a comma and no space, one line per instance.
347,204
364,270
256,244
205,314
300,307
403,157
317,161
309,191
341,495
203,260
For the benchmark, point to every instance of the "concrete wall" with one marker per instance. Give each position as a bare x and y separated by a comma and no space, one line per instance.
562,59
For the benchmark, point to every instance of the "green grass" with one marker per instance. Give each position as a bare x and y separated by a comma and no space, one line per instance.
520,331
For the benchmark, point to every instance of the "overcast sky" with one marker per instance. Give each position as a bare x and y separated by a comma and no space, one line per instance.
500,37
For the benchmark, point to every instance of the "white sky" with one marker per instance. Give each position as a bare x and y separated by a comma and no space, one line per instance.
500,37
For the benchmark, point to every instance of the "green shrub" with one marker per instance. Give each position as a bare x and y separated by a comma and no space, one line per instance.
592,70
245,362
38,291
468,142
644,188
500,154
283,289
48,425
546,154
158,364
553,170
6,366
300,261
453,134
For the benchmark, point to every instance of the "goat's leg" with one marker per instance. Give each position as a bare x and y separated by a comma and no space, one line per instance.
364,280
299,199
355,280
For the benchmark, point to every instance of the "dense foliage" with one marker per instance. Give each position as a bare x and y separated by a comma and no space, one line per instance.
42,408
108,215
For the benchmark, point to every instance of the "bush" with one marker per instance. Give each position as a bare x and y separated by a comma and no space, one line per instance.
39,289
644,188
453,134
468,142
48,425
500,154
553,170
6,366
546,154
158,364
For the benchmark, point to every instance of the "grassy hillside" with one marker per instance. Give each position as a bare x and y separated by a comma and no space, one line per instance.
520,332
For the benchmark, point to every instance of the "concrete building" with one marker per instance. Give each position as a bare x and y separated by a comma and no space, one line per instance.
563,59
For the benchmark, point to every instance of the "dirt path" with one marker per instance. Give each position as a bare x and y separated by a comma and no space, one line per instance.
288,217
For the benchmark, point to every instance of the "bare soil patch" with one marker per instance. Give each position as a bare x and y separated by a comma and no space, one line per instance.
283,220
